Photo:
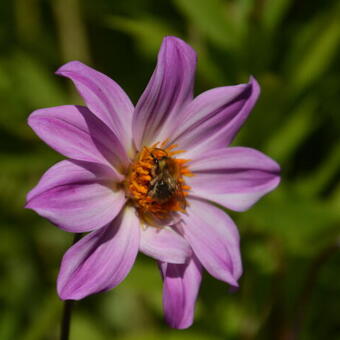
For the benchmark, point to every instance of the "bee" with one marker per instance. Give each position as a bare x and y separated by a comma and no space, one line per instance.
164,185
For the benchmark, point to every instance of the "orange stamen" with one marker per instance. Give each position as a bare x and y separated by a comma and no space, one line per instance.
176,152
173,146
144,173
165,142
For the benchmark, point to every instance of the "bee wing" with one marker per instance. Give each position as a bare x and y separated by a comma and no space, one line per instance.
170,181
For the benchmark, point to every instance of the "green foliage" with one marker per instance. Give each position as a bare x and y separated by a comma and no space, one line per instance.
211,19
290,240
318,53
147,32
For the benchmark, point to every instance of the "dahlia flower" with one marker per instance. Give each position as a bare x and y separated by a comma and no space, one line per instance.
150,178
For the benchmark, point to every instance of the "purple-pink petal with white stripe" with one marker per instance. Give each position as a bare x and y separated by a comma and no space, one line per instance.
75,132
77,196
104,97
164,244
169,89
100,260
214,117
214,238
181,283
235,177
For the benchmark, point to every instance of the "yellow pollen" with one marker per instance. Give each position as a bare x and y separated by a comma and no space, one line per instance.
155,183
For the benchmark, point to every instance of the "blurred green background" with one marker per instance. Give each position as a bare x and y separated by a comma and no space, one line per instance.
290,240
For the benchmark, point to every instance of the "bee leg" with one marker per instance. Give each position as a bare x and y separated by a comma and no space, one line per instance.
154,181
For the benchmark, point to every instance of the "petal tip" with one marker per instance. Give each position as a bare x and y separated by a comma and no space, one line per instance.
65,292
27,205
69,67
276,168
234,283
35,119
181,45
276,182
179,325
65,295
256,89
30,202
32,118
173,39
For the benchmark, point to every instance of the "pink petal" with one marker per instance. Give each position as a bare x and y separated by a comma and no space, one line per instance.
164,244
101,259
77,196
235,177
77,133
180,290
213,118
214,239
103,97
170,87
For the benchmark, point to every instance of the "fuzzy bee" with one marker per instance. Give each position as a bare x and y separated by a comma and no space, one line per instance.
164,185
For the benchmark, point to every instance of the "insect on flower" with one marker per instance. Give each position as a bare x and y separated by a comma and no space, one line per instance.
147,178
164,185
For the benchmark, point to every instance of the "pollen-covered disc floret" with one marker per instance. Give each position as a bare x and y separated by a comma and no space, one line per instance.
155,183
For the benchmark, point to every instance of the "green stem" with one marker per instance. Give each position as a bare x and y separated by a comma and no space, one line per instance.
66,321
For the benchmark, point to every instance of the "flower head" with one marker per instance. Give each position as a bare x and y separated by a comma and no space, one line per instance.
147,179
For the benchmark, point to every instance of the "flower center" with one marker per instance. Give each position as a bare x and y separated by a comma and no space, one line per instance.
155,182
